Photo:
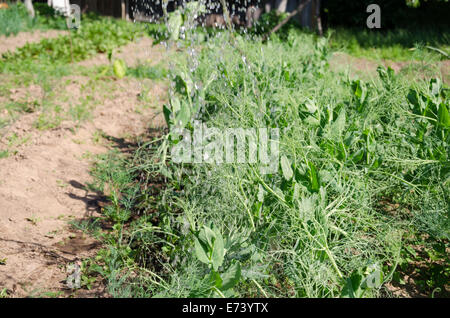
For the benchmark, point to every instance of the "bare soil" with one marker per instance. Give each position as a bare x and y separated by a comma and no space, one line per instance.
44,185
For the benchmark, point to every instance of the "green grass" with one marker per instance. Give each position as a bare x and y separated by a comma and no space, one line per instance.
143,70
396,45
83,110
323,225
15,19
393,44
14,141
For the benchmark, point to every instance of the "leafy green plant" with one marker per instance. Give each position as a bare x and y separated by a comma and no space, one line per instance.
361,282
210,249
98,36
88,274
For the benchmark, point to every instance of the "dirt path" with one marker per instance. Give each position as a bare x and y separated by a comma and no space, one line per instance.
43,186
13,42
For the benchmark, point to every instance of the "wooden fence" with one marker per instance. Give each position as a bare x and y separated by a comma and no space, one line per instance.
114,8
148,10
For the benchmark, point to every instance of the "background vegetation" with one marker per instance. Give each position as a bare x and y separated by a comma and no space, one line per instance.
15,19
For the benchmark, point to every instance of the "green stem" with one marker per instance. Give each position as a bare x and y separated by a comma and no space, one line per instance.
269,189
218,291
246,208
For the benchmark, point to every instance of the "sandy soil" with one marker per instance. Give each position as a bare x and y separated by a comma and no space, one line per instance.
12,42
43,186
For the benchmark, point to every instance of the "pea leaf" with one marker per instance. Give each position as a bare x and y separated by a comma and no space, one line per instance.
218,252
201,252
311,106
183,116
215,279
373,278
443,116
175,103
313,177
358,156
352,287
232,276
360,92
337,128
209,235
286,168
167,112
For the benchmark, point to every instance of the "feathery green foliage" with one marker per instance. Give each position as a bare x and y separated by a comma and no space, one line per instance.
321,226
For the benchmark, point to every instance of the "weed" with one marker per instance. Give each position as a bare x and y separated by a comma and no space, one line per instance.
4,293
48,121
33,220
82,111
47,294
61,184
90,226
14,140
52,234
98,136
157,72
